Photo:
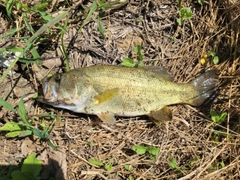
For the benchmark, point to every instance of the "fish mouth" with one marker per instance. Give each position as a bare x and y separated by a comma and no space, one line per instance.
49,95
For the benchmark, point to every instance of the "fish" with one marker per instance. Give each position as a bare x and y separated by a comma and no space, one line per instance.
109,91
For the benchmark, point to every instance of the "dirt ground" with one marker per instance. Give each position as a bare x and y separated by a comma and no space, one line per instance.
201,148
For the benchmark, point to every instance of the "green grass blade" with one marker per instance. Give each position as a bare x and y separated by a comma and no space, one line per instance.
49,18
46,26
35,54
100,26
10,126
9,7
11,32
22,112
29,27
5,73
63,47
91,11
52,145
40,6
6,105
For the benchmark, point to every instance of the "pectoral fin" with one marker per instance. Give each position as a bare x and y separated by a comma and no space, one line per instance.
107,117
164,114
106,96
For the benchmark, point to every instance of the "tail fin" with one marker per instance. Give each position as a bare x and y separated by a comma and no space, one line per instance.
206,85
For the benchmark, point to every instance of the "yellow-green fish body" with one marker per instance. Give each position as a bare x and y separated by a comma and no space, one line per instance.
107,91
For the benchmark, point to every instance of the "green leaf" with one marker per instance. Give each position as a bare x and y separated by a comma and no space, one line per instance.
13,134
29,27
45,15
11,32
130,177
214,116
139,149
35,54
172,163
6,105
45,27
185,13
18,175
137,49
128,62
153,151
37,133
40,5
218,118
108,166
35,96
93,8
140,64
180,21
25,133
9,7
212,53
200,2
18,5
90,143
96,162
128,167
222,164
48,18
22,112
215,60
52,145
223,116
14,49
91,11
32,165
101,28
10,126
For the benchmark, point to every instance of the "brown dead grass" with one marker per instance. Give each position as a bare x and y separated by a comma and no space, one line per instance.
196,143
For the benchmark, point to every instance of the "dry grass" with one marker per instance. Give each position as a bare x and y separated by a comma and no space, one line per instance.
197,144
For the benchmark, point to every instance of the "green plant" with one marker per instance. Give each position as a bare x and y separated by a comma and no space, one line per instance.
216,165
24,128
201,2
184,13
129,62
108,166
173,164
30,169
95,162
128,167
215,58
218,118
152,151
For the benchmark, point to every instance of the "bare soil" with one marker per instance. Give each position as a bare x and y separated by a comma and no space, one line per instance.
201,148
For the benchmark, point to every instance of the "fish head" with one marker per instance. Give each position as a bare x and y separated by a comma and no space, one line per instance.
67,91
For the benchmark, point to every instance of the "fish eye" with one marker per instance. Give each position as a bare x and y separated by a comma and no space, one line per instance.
58,78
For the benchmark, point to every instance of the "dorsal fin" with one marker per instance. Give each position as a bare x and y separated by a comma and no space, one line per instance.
159,71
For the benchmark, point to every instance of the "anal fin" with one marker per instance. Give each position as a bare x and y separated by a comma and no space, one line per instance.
161,115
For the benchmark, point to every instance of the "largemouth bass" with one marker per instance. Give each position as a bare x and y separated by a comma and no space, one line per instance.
109,91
